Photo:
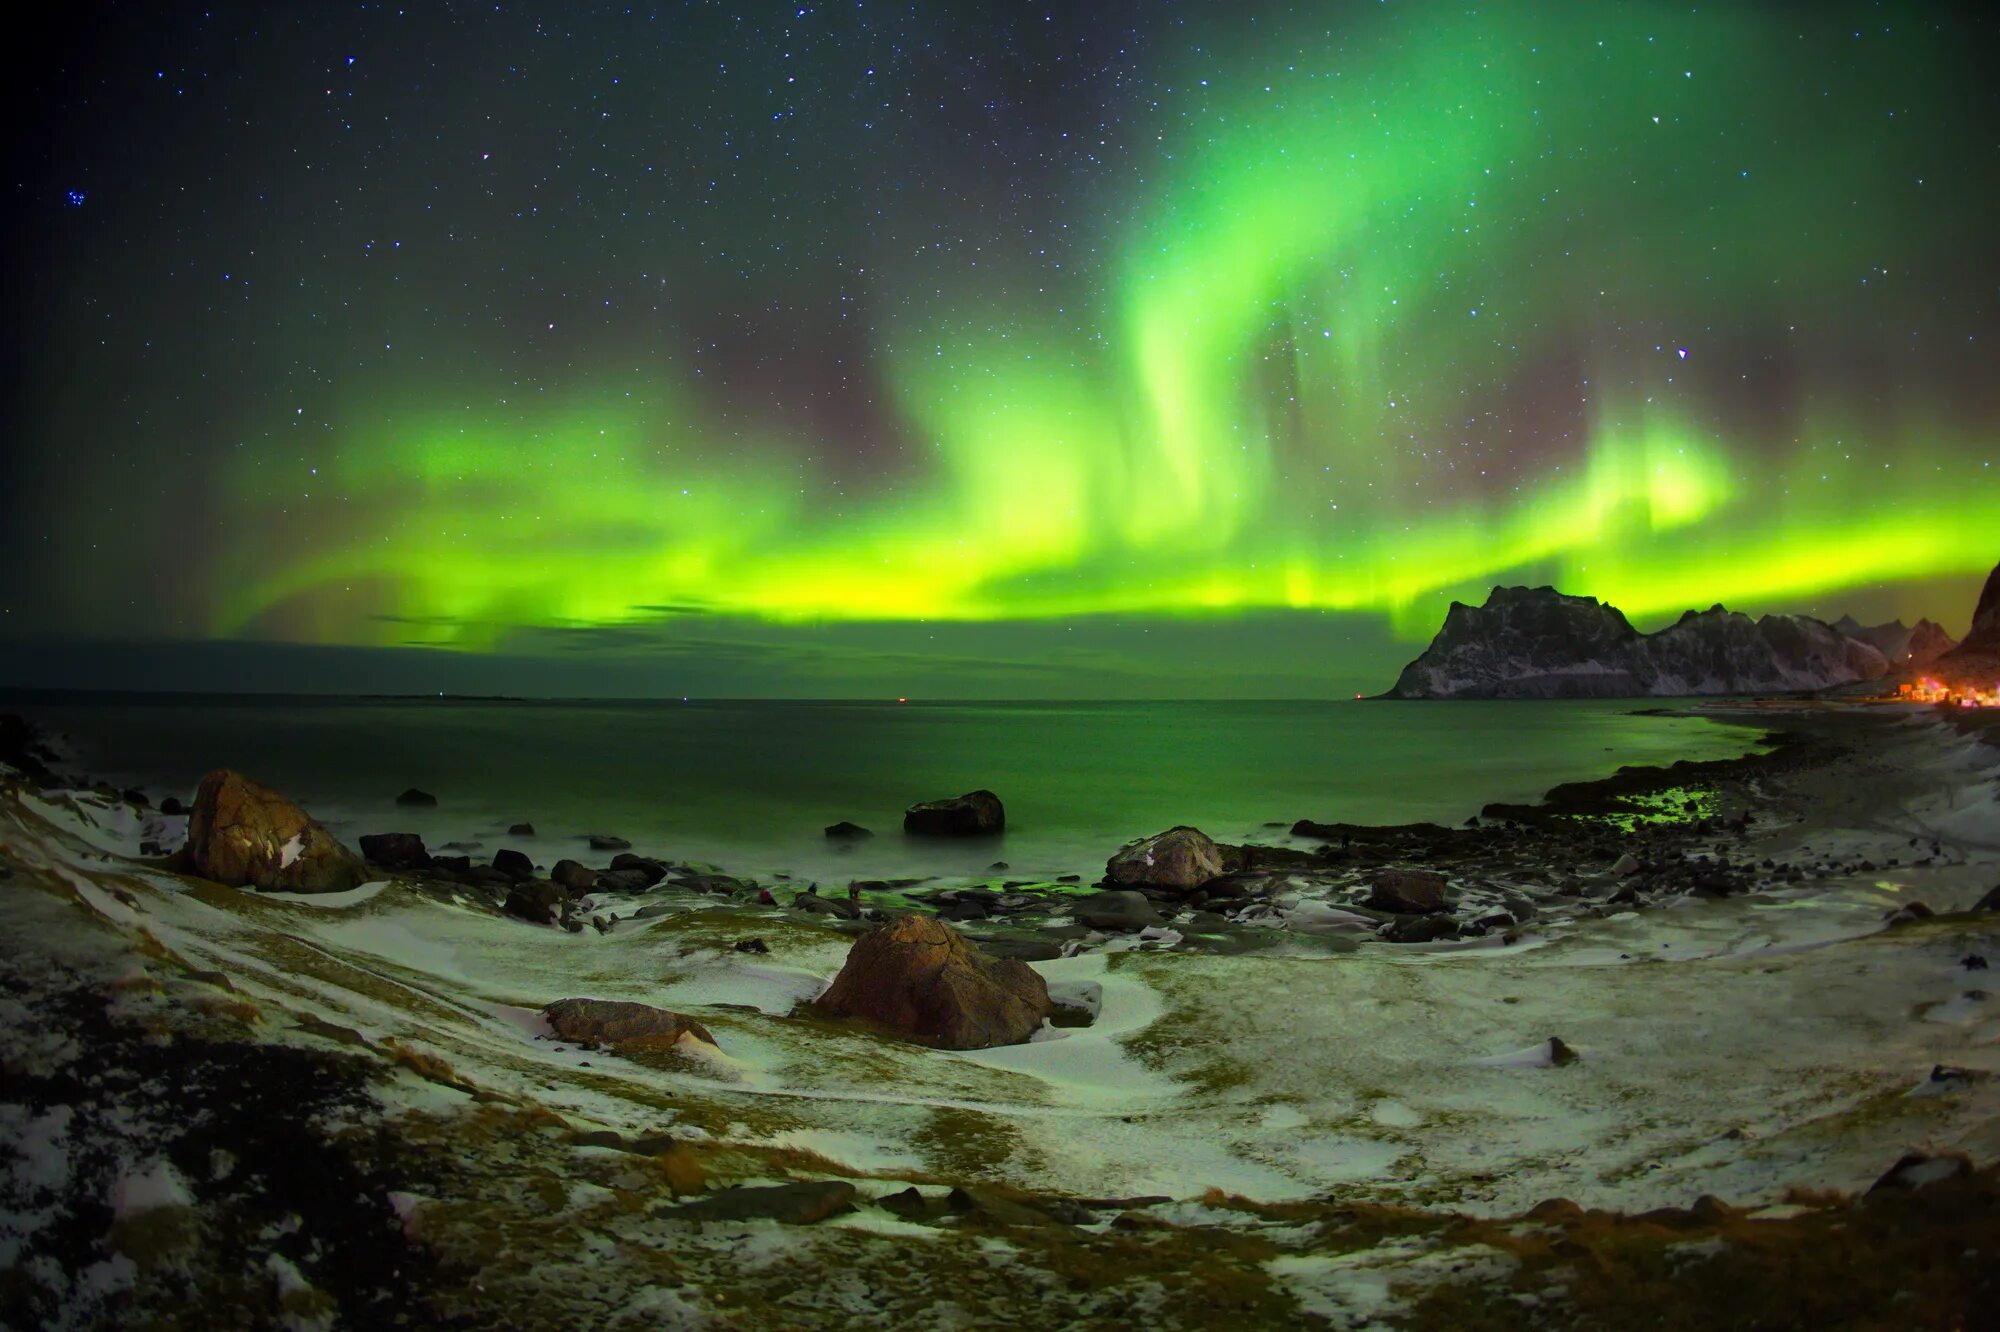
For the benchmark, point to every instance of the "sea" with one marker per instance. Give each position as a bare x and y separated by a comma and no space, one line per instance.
749,786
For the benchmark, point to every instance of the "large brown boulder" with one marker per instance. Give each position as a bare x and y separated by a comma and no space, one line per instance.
1179,858
974,814
621,1024
921,977
246,834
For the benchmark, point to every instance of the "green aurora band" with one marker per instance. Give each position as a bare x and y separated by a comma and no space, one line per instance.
1581,296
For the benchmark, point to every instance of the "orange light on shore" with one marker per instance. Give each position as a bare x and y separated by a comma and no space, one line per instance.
1927,690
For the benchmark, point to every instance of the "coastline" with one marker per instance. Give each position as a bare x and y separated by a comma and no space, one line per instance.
414,1010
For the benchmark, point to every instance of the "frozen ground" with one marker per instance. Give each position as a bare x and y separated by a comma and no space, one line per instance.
1737,1048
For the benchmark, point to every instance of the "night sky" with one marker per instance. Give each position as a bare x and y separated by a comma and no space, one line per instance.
963,349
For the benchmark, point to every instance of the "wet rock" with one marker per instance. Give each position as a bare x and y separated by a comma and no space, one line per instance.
459,865
573,876
1121,910
245,834
626,862
1180,859
1917,1171
513,864
1420,929
825,906
1973,962
1407,891
520,830
606,842
974,814
403,851
719,885
797,1204
415,797
846,832
537,901
172,805
1625,865
752,946
1023,950
1560,1054
1990,902
620,881
920,977
1908,912
620,1024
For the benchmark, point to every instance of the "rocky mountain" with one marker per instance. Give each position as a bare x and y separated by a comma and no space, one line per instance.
1538,643
1977,659
1902,644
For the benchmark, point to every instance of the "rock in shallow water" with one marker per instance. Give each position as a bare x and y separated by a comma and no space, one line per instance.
1180,858
621,1024
846,832
537,901
399,850
245,834
921,977
1122,910
415,797
514,864
974,814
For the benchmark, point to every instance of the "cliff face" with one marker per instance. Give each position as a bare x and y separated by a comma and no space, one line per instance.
1538,643
1903,645
1526,643
1976,661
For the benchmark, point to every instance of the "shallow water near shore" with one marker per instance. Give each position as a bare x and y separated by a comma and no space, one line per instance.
750,785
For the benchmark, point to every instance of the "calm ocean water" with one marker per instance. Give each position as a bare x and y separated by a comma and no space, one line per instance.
750,785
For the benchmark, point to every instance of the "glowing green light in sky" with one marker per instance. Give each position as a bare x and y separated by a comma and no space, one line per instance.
1383,323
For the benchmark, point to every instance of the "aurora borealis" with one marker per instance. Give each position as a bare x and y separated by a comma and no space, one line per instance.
490,329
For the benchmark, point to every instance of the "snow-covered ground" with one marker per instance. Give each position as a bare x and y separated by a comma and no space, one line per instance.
1737,1048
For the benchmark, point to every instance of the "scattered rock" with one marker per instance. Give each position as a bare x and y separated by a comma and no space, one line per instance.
1909,911
752,946
514,864
520,830
620,881
626,862
797,1204
1990,902
1117,910
172,805
1420,929
415,797
606,842
1916,1171
846,832
620,1024
403,851
720,885
1180,858
537,901
825,906
1407,891
974,814
1560,1054
573,876
997,1209
1973,962
1626,864
920,977
241,833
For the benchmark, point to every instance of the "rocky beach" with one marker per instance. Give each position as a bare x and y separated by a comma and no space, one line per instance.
1604,1059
